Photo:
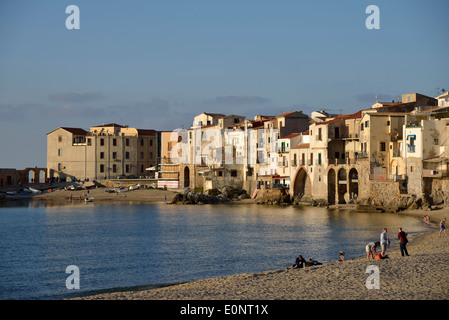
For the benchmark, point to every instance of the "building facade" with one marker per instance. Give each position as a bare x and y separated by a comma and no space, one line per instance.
104,152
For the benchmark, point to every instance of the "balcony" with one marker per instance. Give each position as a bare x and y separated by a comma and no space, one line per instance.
362,155
430,173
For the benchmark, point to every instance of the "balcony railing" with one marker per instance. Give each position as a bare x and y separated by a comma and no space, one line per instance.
362,155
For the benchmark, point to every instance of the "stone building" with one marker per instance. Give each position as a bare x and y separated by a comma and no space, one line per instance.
103,152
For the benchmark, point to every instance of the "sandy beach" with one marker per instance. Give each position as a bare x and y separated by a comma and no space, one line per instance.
420,276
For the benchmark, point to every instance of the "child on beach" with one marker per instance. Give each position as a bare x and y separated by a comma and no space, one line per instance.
371,249
443,227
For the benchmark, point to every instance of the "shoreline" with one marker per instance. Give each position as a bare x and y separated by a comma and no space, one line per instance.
417,277
420,276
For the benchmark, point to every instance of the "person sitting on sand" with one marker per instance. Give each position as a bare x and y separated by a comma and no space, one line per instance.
342,256
371,249
312,262
299,263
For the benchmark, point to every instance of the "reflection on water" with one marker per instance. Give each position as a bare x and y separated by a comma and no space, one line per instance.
121,245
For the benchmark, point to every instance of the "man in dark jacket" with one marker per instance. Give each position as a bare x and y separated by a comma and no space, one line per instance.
402,236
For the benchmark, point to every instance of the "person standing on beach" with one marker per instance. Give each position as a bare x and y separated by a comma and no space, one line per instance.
402,236
384,242
442,227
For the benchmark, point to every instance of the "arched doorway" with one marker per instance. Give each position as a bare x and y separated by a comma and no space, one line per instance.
353,183
31,176
342,186
186,177
331,186
302,185
42,176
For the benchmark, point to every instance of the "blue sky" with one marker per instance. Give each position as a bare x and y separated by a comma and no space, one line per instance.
157,64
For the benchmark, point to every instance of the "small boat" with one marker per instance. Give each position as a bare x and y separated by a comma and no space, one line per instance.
34,190
134,187
89,199
11,193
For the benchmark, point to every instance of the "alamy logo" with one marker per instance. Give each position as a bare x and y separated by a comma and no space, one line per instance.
72,21
373,280
72,281
373,21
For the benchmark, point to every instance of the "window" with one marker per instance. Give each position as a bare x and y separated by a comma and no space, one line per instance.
101,167
127,142
361,127
435,141
383,146
114,155
126,155
337,155
101,155
114,142
319,158
141,155
141,168
141,142
151,155
220,173
127,168
101,142
59,166
59,152
233,173
366,124
151,143
319,134
59,138
114,168
388,123
89,141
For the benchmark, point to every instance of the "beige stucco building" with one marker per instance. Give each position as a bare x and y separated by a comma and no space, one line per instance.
103,152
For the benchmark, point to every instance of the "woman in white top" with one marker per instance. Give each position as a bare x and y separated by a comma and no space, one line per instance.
371,249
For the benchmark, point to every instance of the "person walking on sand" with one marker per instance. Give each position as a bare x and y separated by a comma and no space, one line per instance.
402,236
371,249
443,227
384,242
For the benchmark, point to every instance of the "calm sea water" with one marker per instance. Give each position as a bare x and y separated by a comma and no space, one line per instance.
129,245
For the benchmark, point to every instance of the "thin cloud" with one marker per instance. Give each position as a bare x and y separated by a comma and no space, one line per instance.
239,100
71,97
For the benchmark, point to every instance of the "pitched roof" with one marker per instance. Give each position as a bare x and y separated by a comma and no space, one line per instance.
110,125
146,132
291,135
76,131
342,117
291,112
301,146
